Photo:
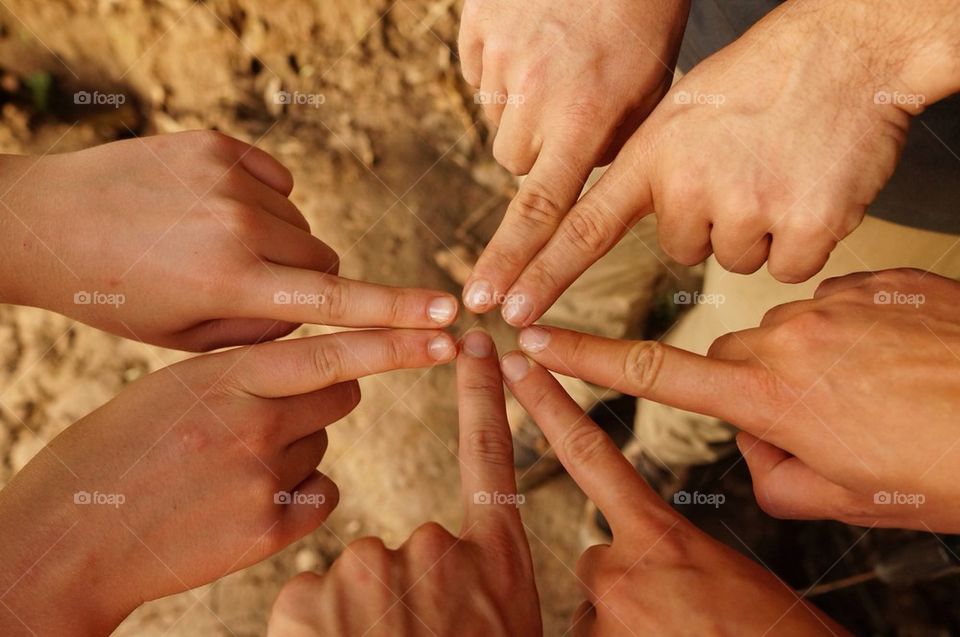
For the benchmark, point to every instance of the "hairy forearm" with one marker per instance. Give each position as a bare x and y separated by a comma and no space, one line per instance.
909,50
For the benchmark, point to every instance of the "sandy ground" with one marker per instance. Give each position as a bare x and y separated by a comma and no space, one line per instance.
393,166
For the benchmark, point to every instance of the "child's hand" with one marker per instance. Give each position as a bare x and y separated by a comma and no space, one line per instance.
186,241
194,472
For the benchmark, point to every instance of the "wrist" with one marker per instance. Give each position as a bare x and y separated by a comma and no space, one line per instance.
58,574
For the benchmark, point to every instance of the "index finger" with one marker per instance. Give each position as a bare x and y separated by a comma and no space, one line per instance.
299,295
607,212
727,389
487,479
545,196
587,453
299,366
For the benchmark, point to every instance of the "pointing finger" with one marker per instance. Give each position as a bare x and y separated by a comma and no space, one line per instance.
652,370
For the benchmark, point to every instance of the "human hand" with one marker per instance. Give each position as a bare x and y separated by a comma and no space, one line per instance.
186,241
660,575
767,152
479,582
566,84
828,392
193,472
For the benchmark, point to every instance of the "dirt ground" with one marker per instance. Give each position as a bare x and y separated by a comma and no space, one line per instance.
392,166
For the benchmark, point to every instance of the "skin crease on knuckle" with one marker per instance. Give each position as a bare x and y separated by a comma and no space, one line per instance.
642,365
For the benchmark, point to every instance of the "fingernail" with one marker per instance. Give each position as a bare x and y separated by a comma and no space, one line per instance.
515,366
478,295
477,344
516,310
534,339
442,309
442,348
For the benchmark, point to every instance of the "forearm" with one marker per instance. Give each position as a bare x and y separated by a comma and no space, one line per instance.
909,50
57,577
17,242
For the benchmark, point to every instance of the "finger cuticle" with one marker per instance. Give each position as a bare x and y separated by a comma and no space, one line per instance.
514,366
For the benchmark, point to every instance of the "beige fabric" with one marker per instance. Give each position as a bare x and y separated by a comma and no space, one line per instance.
677,437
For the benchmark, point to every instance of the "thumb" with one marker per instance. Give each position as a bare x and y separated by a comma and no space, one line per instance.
785,487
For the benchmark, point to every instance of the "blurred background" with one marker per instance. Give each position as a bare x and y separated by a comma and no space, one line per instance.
363,101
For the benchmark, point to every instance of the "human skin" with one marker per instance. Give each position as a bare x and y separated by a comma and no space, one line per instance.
566,84
767,152
478,582
191,473
847,401
187,241
660,575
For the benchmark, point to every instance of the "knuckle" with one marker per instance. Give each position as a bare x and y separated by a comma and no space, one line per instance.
297,594
490,444
586,232
335,297
327,361
509,155
536,207
211,141
241,220
365,556
398,309
583,444
430,542
723,344
642,365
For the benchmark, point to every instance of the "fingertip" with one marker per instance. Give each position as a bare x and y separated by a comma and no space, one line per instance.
443,310
515,366
477,344
441,348
533,339
478,296
517,310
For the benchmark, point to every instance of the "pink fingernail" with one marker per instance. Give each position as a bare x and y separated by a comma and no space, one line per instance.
534,339
516,310
477,344
478,295
442,310
442,348
515,366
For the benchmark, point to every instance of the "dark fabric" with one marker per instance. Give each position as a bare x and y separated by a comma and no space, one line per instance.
925,189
